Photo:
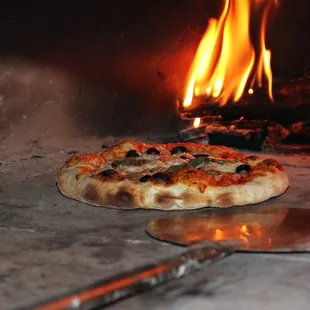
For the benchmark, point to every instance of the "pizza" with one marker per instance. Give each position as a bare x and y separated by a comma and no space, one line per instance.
171,176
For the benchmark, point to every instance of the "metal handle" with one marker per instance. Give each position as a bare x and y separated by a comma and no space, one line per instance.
104,292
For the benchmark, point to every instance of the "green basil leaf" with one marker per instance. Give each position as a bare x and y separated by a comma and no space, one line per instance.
198,162
219,161
175,168
205,160
130,161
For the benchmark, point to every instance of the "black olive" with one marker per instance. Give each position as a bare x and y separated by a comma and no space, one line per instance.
152,151
201,155
179,149
108,173
161,176
132,153
243,168
145,178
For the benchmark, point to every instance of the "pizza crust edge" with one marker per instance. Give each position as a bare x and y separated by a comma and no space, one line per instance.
126,194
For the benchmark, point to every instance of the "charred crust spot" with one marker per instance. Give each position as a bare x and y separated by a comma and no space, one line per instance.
91,194
78,176
225,200
269,162
109,174
272,162
251,158
165,199
189,198
161,178
122,199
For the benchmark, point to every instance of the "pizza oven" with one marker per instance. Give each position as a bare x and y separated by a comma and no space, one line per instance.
86,71
80,77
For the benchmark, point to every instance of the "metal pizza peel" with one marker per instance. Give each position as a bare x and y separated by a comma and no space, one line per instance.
246,229
208,235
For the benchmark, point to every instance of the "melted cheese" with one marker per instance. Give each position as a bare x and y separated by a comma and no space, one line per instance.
151,164
228,166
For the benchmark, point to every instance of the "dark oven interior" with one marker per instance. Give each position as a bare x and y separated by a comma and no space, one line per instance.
116,69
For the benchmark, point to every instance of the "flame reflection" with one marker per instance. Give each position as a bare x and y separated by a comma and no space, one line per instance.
263,229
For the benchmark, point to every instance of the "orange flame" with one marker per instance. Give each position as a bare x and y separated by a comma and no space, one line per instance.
196,123
224,64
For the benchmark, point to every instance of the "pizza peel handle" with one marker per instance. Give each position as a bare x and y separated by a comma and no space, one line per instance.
104,292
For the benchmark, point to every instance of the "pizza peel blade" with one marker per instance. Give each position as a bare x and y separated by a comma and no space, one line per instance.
246,229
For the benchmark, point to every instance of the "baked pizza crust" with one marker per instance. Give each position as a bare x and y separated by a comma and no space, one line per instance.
184,193
128,195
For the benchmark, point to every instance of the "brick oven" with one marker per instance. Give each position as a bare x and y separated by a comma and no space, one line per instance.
79,77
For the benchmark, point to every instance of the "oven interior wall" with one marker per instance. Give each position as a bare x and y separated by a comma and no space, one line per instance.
112,69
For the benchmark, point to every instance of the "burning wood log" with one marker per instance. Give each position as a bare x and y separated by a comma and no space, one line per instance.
239,133
294,93
301,130
292,102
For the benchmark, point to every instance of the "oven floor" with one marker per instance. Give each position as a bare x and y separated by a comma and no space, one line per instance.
50,244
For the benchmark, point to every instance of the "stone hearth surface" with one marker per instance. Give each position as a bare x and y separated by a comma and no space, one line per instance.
50,244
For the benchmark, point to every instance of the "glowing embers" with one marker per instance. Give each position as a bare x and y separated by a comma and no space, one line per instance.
226,64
